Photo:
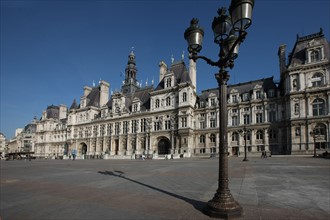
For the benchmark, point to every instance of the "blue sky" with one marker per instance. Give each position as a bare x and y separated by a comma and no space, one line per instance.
51,49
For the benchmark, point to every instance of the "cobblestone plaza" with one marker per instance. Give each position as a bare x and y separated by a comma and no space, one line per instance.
272,188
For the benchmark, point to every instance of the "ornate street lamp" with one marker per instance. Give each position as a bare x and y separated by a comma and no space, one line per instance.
245,132
229,31
314,133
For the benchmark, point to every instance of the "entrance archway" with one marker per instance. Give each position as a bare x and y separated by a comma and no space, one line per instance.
164,146
83,148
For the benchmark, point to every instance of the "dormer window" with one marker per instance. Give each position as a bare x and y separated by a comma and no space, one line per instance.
157,103
135,107
184,97
246,97
258,95
168,82
234,98
315,55
271,93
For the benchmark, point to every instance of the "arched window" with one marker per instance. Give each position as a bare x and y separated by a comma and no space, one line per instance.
184,97
202,139
157,103
318,107
212,138
260,135
317,80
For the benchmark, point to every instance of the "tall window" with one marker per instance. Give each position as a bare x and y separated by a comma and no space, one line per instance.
318,107
296,108
202,124
259,135
315,55
258,95
156,126
317,80
234,120
259,117
168,82
212,123
234,98
184,122
135,108
321,129
202,139
168,101
184,97
234,137
246,119
157,103
272,134
212,138
212,102
167,125
134,126
272,116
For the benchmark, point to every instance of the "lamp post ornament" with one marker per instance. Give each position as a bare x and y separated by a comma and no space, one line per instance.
229,33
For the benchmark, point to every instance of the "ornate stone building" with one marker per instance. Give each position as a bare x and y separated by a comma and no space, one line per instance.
172,119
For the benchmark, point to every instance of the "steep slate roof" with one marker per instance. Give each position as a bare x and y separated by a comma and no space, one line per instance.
143,95
247,87
181,74
93,98
53,111
298,54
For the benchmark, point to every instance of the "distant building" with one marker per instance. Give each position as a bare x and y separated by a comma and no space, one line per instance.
170,118
3,144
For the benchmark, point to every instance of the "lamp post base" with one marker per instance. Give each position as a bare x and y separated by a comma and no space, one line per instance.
245,159
223,206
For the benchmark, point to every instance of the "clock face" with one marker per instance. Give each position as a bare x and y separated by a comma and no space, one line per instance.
117,109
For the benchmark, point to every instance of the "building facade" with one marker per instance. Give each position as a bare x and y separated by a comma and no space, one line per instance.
172,119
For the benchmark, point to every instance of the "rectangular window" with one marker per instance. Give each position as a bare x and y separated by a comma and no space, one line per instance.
234,120
272,116
184,122
258,95
156,126
202,124
259,118
212,102
234,98
246,119
212,123
167,125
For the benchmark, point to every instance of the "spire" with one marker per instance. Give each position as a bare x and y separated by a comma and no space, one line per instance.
130,82
74,105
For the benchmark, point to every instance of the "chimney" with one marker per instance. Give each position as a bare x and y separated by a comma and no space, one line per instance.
162,70
104,92
282,58
63,111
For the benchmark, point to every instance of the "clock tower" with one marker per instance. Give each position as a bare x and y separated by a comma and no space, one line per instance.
130,85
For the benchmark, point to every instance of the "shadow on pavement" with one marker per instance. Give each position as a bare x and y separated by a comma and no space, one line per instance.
198,205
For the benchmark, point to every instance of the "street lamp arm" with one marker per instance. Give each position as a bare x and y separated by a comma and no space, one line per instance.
195,57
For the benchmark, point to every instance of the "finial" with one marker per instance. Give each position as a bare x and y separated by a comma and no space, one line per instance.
172,59
93,83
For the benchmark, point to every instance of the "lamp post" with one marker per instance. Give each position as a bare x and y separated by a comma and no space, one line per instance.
229,32
245,131
314,133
